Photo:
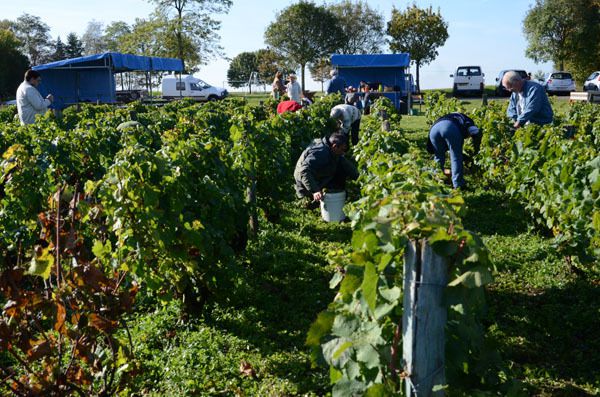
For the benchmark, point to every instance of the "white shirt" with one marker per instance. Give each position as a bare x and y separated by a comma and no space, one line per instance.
294,91
349,114
29,103
520,103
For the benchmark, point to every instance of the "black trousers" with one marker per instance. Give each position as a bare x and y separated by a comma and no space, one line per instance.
354,128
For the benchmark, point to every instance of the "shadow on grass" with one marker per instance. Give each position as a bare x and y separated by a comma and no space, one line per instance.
285,283
492,212
550,334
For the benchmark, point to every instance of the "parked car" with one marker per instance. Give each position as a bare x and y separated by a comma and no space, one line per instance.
500,90
190,87
468,79
559,82
592,83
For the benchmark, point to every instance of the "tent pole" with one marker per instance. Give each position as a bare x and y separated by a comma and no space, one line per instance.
180,94
149,84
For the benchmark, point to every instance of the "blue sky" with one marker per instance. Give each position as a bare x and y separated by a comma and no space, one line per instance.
481,32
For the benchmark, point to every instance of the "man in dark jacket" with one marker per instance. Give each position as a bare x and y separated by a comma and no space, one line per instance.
336,85
323,165
448,133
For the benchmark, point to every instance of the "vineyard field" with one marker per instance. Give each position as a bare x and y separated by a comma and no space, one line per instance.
161,251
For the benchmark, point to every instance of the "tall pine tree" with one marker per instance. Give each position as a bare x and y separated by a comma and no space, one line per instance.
74,48
59,50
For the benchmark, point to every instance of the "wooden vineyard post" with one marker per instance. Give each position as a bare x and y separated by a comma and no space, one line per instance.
385,125
251,199
424,320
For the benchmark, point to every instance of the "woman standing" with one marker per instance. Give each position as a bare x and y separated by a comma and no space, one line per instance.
278,88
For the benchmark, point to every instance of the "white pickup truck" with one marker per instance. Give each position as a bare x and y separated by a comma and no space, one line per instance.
189,86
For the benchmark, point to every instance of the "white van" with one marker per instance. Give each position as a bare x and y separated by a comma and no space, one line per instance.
468,79
190,87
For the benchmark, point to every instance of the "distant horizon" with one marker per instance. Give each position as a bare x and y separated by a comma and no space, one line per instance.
474,30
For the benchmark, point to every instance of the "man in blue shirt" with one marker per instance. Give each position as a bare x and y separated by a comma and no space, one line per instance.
336,84
528,101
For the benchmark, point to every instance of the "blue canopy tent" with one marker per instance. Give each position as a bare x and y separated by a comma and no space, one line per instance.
91,78
390,71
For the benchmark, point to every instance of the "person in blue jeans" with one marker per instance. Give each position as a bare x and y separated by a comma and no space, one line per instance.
448,133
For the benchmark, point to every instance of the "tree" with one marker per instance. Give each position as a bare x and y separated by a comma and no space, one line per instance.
34,36
114,34
59,50
363,27
320,70
564,32
549,28
6,24
155,37
419,32
241,68
303,33
270,62
74,48
194,25
147,37
586,56
13,64
93,38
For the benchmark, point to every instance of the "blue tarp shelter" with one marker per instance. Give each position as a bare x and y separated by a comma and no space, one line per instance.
91,78
388,70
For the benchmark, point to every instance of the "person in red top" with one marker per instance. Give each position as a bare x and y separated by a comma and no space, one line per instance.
288,106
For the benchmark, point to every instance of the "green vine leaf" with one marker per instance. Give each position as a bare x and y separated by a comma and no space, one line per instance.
319,328
41,263
477,276
369,285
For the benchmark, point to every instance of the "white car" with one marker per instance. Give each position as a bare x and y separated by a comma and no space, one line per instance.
592,83
189,86
559,82
468,79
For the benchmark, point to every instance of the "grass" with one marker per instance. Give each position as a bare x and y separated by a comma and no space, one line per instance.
253,99
282,286
543,317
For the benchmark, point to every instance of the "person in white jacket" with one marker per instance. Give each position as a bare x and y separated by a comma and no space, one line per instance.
29,100
349,118
294,90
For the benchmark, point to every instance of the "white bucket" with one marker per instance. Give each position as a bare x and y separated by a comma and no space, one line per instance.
332,206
